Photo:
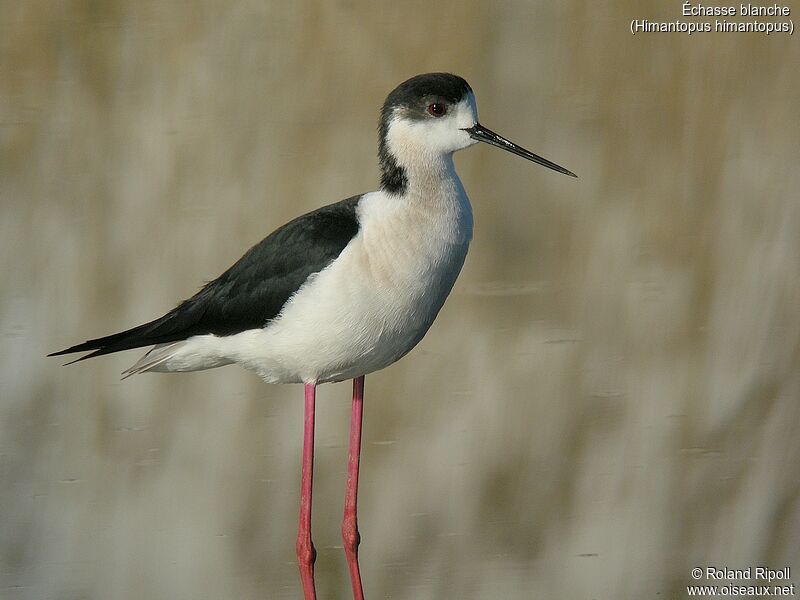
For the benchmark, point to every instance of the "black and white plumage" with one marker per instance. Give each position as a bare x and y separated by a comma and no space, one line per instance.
344,290
349,288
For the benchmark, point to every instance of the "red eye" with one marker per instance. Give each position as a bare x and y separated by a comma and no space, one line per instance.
437,109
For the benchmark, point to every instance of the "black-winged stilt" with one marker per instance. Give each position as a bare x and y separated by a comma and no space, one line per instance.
344,290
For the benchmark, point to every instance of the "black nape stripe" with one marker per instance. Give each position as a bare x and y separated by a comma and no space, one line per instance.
393,176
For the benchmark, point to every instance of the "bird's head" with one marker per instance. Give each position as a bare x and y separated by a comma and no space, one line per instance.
433,115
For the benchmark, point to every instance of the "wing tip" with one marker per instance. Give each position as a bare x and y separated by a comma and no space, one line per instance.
63,352
96,351
99,352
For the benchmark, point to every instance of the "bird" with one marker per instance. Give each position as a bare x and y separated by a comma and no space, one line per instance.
342,291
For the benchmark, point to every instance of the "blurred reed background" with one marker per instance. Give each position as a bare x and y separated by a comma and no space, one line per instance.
609,397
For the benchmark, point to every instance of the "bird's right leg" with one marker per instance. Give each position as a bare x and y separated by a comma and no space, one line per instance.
306,554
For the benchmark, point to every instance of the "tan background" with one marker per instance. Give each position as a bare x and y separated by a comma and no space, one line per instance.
609,398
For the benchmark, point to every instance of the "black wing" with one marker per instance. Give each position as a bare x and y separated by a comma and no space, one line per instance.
253,291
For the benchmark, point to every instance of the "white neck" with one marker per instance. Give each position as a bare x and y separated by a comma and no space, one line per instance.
430,177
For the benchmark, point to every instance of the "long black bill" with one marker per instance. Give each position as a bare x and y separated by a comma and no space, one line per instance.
480,133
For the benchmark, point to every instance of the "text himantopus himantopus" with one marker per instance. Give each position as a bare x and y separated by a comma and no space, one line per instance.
344,290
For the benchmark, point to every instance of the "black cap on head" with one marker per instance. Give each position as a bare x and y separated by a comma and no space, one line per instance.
415,94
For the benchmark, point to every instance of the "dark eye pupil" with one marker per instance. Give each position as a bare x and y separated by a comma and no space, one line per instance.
437,109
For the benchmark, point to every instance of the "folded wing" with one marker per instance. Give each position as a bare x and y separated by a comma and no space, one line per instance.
253,291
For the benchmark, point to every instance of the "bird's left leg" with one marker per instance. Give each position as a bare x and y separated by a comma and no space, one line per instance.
350,534
306,554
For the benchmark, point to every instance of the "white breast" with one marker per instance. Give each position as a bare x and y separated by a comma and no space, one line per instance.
377,300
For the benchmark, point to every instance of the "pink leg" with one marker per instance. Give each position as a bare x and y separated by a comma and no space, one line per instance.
306,554
350,534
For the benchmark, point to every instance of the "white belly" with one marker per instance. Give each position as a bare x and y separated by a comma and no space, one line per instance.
370,306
